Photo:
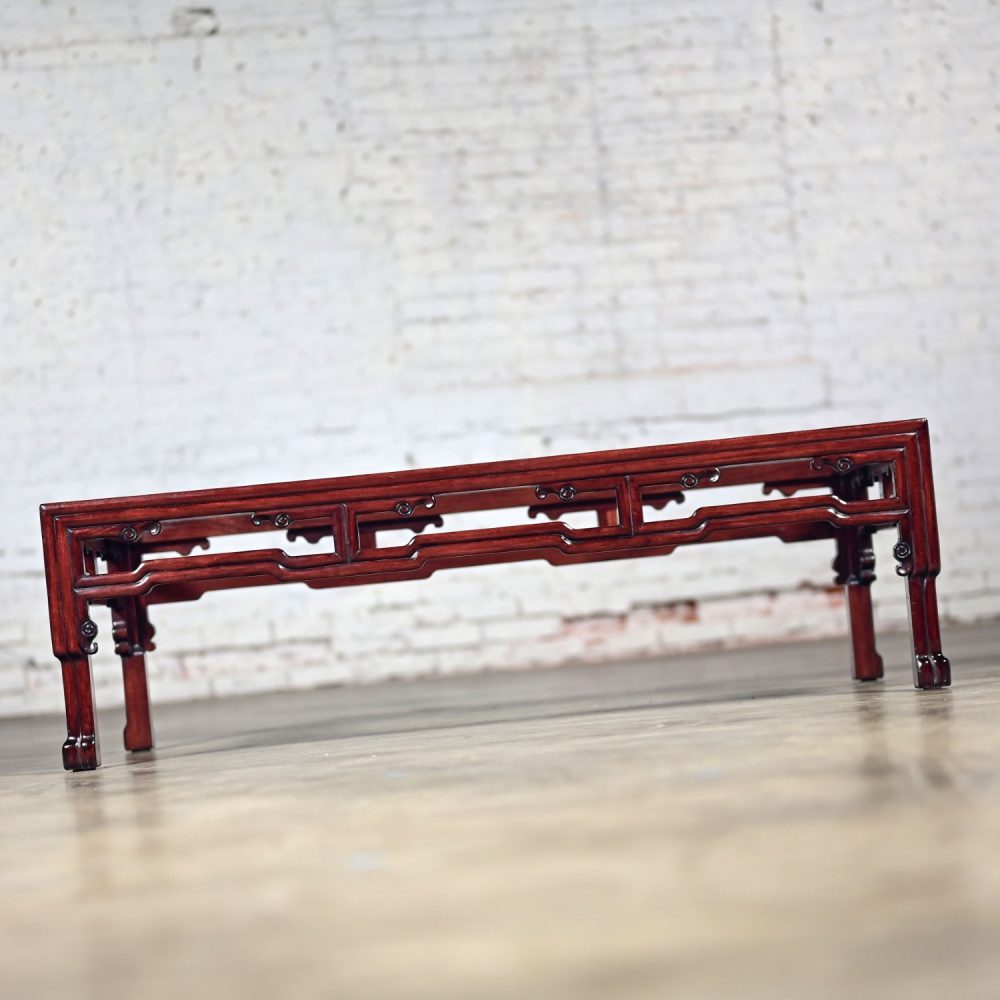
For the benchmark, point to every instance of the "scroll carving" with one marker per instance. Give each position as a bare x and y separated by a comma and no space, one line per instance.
406,507
842,464
689,480
902,552
566,492
132,533
279,520
88,633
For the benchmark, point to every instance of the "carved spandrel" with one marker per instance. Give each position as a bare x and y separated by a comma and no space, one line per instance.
789,489
131,629
854,564
120,630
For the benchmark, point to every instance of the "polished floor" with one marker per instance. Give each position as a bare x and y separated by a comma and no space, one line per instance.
741,824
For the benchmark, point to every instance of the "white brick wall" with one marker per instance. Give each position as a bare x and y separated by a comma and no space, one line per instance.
343,237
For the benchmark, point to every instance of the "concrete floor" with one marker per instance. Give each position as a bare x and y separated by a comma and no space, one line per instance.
748,824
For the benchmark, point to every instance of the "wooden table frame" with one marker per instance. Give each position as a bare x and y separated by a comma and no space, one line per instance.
131,552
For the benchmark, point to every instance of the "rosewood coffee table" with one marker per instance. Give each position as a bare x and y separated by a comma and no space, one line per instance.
128,553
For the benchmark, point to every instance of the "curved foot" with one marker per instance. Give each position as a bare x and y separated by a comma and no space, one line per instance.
931,670
80,753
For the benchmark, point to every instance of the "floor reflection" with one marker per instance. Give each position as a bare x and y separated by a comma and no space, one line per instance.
876,765
937,762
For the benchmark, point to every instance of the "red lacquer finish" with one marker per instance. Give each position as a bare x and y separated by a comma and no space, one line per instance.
131,552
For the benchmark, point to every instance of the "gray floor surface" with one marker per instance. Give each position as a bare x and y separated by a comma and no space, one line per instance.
748,823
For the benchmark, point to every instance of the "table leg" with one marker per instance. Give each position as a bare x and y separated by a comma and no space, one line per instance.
81,750
133,634
931,668
855,568
918,553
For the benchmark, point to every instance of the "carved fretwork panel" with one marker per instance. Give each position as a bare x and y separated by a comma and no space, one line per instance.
608,506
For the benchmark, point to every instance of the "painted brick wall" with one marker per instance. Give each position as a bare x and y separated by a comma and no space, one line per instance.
293,239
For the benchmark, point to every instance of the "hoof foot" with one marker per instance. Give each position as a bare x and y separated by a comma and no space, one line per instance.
80,753
932,670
